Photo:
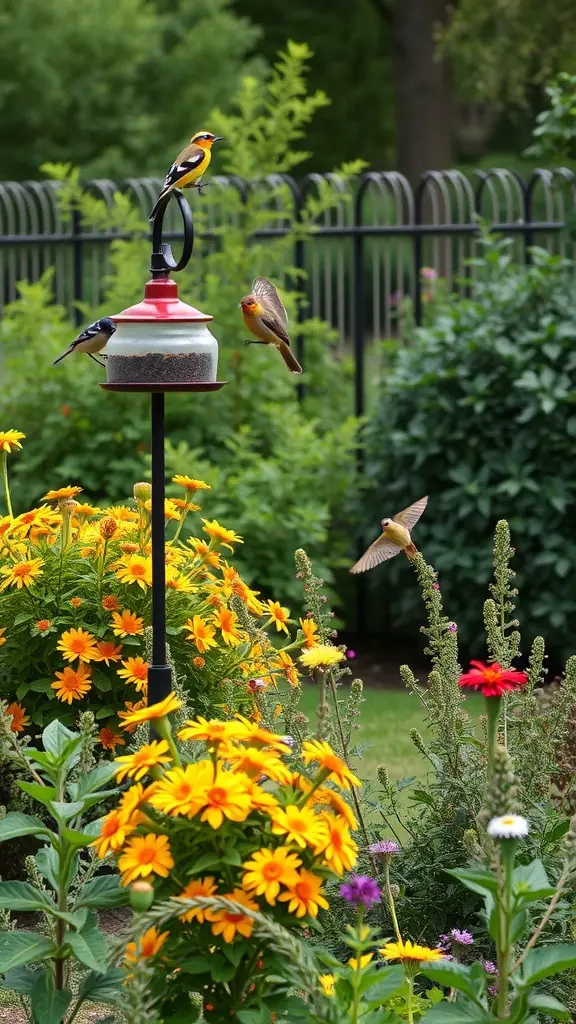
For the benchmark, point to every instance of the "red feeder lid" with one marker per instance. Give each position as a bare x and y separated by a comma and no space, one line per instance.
161,302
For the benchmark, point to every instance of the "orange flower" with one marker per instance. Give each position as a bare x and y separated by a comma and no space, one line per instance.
130,708
200,633
205,552
336,845
190,484
110,603
110,739
153,711
78,643
136,569
148,946
108,651
136,766
227,922
226,622
144,856
278,614
305,895
62,493
310,631
135,671
43,625
220,535
287,667
198,887
116,827
21,574
127,624
74,683
332,765
198,662
76,602
2,637
19,717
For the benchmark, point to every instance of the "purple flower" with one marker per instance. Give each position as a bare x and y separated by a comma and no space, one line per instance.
490,967
384,848
361,889
350,654
289,741
428,273
444,943
462,938
452,627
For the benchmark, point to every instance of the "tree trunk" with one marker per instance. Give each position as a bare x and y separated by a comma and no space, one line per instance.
422,86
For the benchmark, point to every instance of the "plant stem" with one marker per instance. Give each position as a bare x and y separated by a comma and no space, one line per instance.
390,898
410,984
492,714
507,857
322,711
4,471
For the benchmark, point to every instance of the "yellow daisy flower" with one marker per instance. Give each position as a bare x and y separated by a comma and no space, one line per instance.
310,632
228,923
327,981
198,887
212,732
226,795
73,683
10,439
136,766
268,869
135,671
336,845
332,765
21,574
144,856
78,643
201,633
182,791
62,493
411,951
226,621
190,484
154,711
148,946
127,624
255,762
278,615
299,824
304,895
135,569
321,656
116,828
220,535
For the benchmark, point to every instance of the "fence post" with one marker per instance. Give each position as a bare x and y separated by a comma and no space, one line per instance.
77,257
358,315
417,249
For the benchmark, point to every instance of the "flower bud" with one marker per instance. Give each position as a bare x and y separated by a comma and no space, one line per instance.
142,491
141,896
108,527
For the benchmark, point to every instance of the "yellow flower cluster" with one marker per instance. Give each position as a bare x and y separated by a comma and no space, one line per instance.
300,828
100,631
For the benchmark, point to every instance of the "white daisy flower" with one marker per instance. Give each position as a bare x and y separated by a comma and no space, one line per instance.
508,826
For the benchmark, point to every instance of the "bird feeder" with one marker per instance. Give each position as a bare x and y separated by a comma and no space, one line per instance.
162,345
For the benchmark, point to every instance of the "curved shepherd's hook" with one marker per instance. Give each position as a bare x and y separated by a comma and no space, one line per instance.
162,261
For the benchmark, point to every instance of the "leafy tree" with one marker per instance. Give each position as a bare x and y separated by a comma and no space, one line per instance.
113,85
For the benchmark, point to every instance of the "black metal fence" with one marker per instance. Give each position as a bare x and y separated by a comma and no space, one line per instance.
382,246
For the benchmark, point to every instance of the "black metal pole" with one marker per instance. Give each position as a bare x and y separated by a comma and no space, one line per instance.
159,673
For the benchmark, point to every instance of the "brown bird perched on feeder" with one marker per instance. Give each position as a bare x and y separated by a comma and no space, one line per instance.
395,537
265,316
189,166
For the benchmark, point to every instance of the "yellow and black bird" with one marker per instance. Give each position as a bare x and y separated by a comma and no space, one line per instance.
265,316
395,537
189,165
91,339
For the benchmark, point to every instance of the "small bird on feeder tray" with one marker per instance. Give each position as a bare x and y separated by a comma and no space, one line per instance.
189,166
91,339
265,316
395,537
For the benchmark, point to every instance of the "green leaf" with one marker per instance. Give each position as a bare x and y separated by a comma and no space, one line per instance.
17,824
49,1004
548,1004
454,975
18,948
548,960
22,690
103,892
21,979
64,810
195,965
233,858
102,988
205,862
101,681
56,738
44,794
77,839
222,970
42,685
22,617
47,862
456,1013
531,883
476,879
89,945
389,981
94,780
23,896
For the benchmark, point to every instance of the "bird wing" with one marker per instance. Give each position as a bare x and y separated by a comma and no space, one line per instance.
410,516
189,159
274,324
87,333
265,291
380,551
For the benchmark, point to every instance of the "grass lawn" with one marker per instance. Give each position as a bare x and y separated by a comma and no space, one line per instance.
386,718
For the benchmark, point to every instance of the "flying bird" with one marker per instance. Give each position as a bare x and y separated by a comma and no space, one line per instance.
265,316
91,339
395,537
189,166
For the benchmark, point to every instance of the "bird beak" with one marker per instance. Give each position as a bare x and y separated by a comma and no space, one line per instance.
218,138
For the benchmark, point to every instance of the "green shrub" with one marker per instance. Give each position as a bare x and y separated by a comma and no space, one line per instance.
478,412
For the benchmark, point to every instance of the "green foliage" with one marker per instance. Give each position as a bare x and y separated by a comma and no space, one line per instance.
63,886
287,468
555,131
477,411
98,105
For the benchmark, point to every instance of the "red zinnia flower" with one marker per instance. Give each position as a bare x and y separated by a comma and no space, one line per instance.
492,680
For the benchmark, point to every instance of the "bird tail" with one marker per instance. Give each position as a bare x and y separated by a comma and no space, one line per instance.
64,354
162,196
289,358
410,551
